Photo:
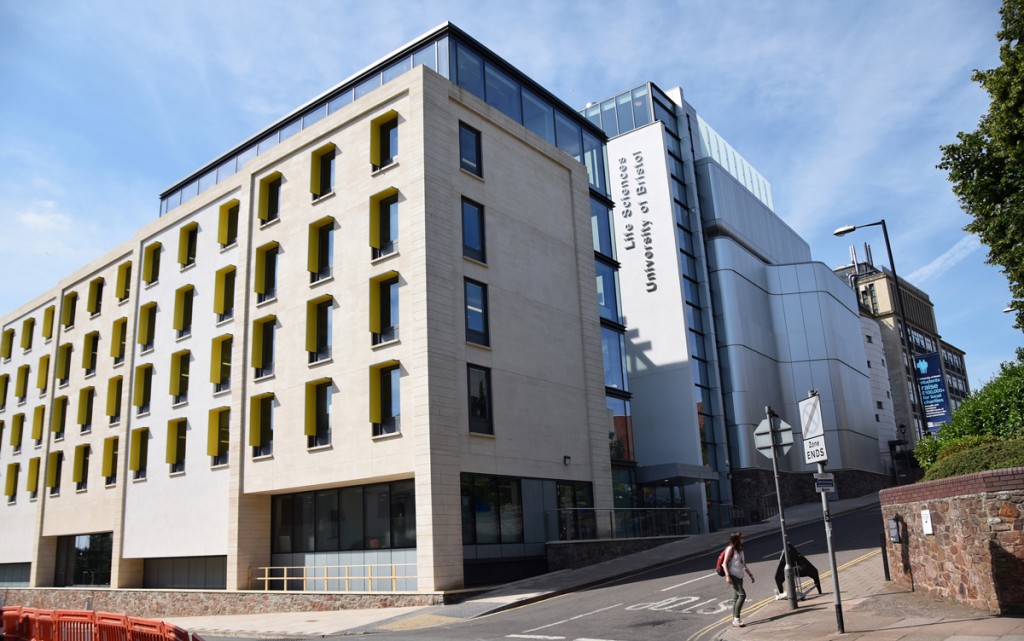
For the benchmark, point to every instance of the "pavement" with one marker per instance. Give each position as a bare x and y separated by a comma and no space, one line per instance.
871,608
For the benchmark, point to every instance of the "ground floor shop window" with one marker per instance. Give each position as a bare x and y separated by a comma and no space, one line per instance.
492,510
366,517
83,560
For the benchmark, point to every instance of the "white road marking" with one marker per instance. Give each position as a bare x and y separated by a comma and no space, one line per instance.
775,555
679,585
532,636
578,616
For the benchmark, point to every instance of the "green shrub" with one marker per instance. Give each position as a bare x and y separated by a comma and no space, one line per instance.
965,458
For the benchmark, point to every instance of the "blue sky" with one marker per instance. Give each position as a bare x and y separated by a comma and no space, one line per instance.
841,105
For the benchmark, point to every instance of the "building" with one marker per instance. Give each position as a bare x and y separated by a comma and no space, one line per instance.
876,289
726,314
367,337
365,347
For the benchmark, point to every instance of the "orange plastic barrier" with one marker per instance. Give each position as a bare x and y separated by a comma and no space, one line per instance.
15,624
30,624
43,627
145,630
75,625
111,627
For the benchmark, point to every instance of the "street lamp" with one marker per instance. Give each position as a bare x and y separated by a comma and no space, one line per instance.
903,331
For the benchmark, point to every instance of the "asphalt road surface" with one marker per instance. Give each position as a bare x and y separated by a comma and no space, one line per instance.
682,601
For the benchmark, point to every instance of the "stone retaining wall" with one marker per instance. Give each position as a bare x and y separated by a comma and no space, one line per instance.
975,554
156,604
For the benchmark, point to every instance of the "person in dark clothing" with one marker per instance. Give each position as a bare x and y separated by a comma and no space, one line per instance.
802,566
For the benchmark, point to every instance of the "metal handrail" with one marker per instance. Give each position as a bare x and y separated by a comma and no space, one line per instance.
309,575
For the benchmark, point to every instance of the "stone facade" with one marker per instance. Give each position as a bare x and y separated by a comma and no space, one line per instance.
754,490
975,553
183,603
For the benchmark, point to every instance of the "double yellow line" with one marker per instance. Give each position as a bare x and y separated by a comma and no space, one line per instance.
762,603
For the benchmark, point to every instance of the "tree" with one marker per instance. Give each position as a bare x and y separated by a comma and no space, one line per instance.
986,166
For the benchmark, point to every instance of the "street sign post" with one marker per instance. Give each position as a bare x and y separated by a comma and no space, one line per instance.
771,435
824,482
813,430
814,452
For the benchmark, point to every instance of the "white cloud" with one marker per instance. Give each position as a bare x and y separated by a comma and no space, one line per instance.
946,261
44,218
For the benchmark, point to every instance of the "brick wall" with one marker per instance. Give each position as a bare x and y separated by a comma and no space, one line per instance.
976,553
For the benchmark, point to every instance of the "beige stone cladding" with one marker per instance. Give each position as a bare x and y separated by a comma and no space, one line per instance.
19,510
544,354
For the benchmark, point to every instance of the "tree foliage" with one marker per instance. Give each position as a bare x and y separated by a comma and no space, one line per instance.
987,456
995,413
986,166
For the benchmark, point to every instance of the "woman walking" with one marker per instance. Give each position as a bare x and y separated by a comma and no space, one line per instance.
736,565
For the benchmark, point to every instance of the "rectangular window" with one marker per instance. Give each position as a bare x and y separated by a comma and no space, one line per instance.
321,249
384,140
270,198
143,389
7,343
321,173
59,417
385,398
263,346
27,329
95,302
67,310
86,398
266,272
4,382
384,308
48,322
90,352
17,428
38,420
614,354
118,340
32,482
318,413
476,313
176,435
183,310
180,364
80,473
54,463
188,239
607,296
63,369
151,263
384,223
123,285
138,456
261,425
42,376
492,510
220,363
473,245
469,150
218,436
114,391
147,326
109,470
21,383
318,328
224,294
227,224
11,483
480,417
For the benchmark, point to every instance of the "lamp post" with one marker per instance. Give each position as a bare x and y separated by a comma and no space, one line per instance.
903,331
906,453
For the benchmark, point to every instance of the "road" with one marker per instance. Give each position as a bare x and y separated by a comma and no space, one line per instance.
682,601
